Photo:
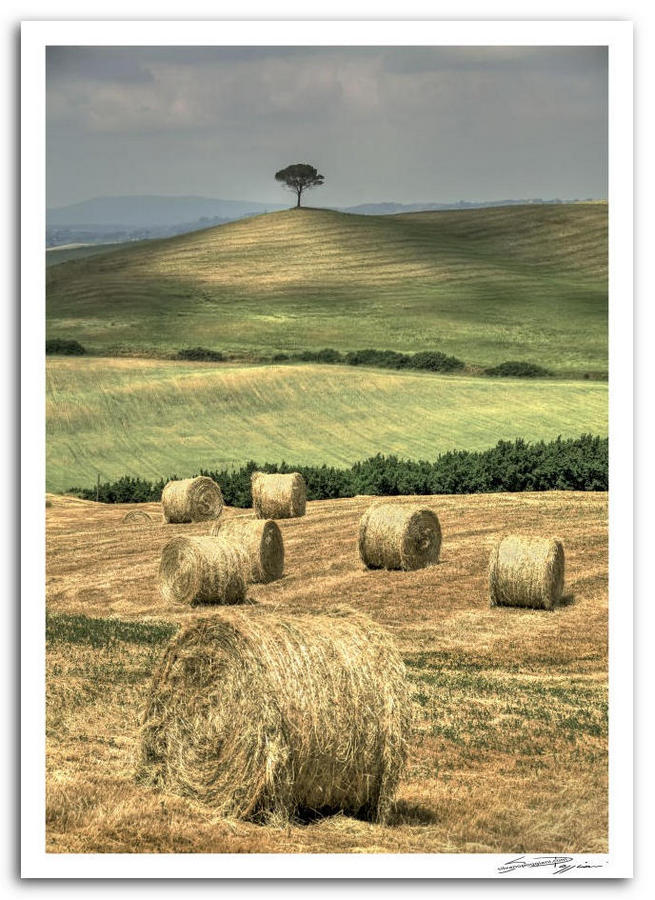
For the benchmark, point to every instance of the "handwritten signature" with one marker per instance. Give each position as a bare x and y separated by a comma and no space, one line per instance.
559,864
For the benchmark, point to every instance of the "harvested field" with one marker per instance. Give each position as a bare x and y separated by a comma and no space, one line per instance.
510,749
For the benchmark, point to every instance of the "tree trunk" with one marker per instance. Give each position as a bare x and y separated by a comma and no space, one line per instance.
298,203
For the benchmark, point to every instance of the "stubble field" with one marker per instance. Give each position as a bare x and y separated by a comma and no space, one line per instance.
509,752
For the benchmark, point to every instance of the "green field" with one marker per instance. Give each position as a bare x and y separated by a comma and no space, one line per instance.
152,418
487,285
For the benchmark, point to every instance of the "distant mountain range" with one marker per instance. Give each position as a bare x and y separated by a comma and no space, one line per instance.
126,218
389,209
152,210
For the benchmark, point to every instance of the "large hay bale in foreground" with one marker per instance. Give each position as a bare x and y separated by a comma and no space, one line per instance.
201,570
278,496
392,536
191,500
137,517
262,715
261,542
526,571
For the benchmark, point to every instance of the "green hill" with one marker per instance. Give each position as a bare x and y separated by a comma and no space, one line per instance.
487,285
153,418
54,256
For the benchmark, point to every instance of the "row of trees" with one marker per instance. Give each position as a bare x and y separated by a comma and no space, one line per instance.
576,464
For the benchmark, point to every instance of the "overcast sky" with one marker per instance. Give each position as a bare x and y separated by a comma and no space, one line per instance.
407,124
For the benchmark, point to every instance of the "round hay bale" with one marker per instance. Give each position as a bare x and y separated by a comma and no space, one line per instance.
278,496
526,571
137,517
263,716
399,537
260,540
196,570
191,500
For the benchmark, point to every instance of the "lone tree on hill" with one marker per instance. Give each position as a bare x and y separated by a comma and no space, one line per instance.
300,177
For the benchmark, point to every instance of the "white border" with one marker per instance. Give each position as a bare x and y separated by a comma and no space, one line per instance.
34,37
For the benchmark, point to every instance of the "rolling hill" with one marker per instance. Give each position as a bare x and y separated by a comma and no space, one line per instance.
519,282
54,256
153,418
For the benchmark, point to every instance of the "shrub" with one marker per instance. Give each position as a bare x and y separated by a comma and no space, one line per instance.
66,347
200,354
434,361
386,359
430,360
518,370
328,355
575,464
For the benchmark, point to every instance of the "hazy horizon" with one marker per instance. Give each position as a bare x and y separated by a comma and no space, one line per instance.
383,124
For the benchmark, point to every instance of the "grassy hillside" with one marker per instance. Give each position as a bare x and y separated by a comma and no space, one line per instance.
152,418
56,255
486,285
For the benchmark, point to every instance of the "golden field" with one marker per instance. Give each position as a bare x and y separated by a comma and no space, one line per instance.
509,752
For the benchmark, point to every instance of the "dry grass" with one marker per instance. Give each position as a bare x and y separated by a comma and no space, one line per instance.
510,749
526,571
278,496
267,717
395,536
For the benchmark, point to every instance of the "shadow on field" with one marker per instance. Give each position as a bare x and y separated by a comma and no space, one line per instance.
567,600
402,814
412,814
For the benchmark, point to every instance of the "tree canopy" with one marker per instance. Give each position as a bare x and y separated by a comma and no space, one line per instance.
299,177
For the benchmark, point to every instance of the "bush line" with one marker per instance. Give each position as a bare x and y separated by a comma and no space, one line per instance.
423,360
427,360
574,464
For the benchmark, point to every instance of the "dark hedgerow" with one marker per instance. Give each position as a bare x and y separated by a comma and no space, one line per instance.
575,464
518,370
65,347
428,360
200,354
434,361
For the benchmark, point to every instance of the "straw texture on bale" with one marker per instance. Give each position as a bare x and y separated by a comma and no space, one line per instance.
201,570
278,496
392,536
266,716
191,500
261,543
526,571
137,517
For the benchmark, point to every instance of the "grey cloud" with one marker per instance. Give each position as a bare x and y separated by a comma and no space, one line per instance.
113,64
493,59
406,124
